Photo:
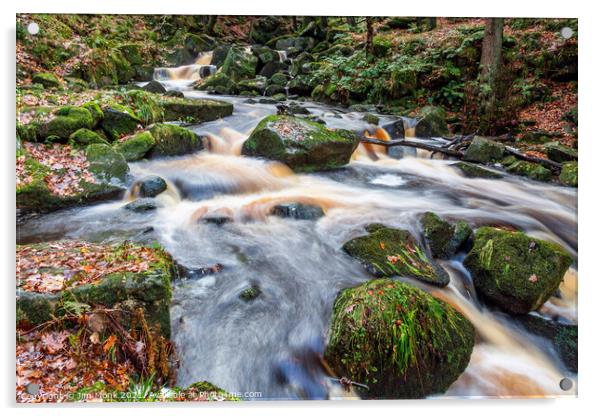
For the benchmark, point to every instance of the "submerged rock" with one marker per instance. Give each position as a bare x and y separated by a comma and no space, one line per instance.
297,211
471,170
388,252
515,271
398,340
569,174
300,144
135,147
531,170
443,238
431,122
250,293
142,205
172,140
483,150
151,186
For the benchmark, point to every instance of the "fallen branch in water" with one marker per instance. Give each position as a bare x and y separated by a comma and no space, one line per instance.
417,145
549,163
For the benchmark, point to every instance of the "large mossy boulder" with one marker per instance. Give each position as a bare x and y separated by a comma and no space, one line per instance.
483,150
470,170
119,121
515,271
559,153
84,137
135,147
398,340
46,79
301,144
431,122
218,83
172,140
444,239
199,43
267,27
105,163
569,174
67,120
239,64
530,170
125,289
388,252
219,55
195,111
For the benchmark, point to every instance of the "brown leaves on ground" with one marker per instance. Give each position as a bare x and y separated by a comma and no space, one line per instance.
55,266
68,167
61,362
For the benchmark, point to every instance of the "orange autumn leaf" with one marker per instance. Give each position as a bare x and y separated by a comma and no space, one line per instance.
109,343
382,245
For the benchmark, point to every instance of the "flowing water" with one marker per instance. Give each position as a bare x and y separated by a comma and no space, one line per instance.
271,344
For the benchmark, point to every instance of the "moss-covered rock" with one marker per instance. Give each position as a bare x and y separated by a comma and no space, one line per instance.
172,140
239,64
199,43
219,83
105,163
301,144
250,293
155,87
398,340
531,170
47,79
94,109
149,290
132,52
443,238
471,170
483,150
516,272
431,122
387,252
194,111
254,86
84,137
560,153
118,121
135,147
569,174
67,120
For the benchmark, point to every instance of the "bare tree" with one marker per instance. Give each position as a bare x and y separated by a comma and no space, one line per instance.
490,68
211,24
369,36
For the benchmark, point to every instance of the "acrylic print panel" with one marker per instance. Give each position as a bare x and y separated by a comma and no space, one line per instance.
266,208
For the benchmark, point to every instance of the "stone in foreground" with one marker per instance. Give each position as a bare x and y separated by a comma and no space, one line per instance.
302,145
398,340
516,272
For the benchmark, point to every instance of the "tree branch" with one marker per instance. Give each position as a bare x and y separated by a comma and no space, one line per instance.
417,145
549,163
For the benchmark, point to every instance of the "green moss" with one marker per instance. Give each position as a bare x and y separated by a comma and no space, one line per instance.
398,340
559,153
474,171
483,150
531,170
172,140
250,293
432,122
569,174
118,121
239,64
106,163
68,120
135,147
218,82
301,144
47,79
84,137
387,252
195,111
515,271
438,234
95,110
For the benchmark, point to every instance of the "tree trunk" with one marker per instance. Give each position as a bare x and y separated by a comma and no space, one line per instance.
211,24
294,21
351,22
490,70
432,23
369,37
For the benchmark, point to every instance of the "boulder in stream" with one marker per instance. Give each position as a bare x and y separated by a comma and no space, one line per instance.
218,83
172,140
484,150
135,147
105,163
303,145
531,170
155,87
516,272
239,64
142,205
559,153
151,186
431,122
297,211
444,239
194,111
118,121
470,170
398,340
388,252
569,174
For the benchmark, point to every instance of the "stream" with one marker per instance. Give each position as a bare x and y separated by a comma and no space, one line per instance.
269,345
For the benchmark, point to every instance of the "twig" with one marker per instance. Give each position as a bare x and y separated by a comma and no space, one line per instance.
408,143
547,162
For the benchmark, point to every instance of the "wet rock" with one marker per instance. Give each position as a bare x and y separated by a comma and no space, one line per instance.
297,211
68,119
149,290
46,79
142,205
515,271
292,109
254,86
272,68
431,122
272,90
174,94
278,79
219,55
216,219
559,153
105,163
250,293
266,28
483,150
300,144
194,111
154,87
84,137
136,146
265,54
563,337
398,340
151,186
475,171
569,174
95,111
277,97
444,239
531,170
239,64
303,43
371,119
388,252
172,140
218,83
118,121
199,43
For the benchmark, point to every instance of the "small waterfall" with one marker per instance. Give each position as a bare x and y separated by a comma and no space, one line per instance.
182,76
